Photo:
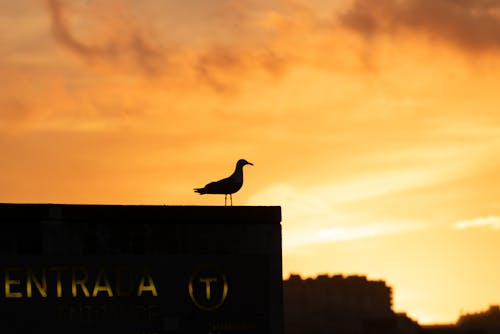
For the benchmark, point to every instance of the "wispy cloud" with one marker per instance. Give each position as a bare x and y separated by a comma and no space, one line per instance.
313,217
129,39
366,231
254,41
492,222
470,25
115,36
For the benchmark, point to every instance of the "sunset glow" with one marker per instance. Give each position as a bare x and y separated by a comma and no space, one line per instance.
374,124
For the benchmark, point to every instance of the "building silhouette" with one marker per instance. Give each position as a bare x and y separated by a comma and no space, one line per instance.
355,305
344,305
486,322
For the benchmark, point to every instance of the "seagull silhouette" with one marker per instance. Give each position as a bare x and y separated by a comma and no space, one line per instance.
227,186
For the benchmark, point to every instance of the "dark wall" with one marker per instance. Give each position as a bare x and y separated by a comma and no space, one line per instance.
140,269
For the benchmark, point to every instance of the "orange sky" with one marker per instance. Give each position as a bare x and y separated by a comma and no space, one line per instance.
374,124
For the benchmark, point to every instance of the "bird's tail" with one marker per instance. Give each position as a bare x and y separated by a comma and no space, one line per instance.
200,191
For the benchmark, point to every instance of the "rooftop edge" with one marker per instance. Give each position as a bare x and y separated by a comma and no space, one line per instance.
168,214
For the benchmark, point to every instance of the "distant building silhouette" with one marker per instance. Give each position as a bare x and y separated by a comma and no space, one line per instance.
487,322
344,305
355,305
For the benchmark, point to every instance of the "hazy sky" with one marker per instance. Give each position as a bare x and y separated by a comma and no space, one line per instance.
374,124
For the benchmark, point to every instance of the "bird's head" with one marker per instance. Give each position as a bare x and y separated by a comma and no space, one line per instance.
243,162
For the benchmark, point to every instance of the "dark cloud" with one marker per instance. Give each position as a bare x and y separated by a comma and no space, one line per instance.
469,24
215,64
221,65
225,44
218,62
127,43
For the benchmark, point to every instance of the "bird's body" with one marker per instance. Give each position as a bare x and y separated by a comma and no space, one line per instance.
227,186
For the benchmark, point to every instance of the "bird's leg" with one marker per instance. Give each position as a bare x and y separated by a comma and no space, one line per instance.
225,199
231,198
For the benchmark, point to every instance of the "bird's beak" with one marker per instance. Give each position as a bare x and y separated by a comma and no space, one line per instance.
249,163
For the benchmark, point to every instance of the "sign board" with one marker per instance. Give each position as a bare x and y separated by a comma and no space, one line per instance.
112,269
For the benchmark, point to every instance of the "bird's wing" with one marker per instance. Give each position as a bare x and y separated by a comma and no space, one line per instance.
224,186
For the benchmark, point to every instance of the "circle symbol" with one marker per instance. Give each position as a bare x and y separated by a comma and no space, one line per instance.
208,289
